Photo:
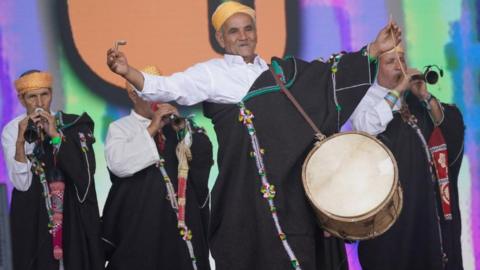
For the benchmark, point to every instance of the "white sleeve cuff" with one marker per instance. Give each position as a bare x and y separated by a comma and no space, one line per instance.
140,92
148,84
21,177
21,167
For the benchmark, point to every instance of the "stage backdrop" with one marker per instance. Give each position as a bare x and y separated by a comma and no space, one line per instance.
71,39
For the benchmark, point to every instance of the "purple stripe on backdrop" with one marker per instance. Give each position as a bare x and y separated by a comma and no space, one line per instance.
472,154
320,31
6,105
471,110
464,59
26,36
329,26
341,12
22,47
472,144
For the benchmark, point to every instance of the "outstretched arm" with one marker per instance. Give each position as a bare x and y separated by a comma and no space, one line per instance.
189,87
117,62
389,37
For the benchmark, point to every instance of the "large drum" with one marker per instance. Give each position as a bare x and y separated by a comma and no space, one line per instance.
351,180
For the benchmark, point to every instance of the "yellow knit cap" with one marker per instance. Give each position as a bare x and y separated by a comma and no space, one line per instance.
33,81
226,10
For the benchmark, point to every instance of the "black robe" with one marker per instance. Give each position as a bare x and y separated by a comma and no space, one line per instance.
413,241
242,233
139,225
31,241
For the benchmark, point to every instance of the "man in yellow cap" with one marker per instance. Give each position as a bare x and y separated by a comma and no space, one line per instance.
260,217
55,222
421,132
140,223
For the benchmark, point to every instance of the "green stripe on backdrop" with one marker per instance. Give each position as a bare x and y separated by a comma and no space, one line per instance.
427,27
208,126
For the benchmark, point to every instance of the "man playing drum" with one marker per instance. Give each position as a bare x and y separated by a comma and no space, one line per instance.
260,217
426,138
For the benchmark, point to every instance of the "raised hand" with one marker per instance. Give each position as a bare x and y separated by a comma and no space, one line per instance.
22,126
160,117
117,62
168,110
406,81
389,37
48,124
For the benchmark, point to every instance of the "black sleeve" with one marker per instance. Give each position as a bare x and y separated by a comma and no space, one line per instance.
343,81
354,74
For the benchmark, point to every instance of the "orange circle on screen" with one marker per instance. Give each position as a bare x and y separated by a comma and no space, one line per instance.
170,35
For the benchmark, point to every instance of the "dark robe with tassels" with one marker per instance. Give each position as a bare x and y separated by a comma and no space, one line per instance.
413,242
242,231
31,240
139,226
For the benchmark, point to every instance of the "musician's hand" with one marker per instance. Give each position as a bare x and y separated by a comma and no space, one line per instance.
117,62
22,126
48,124
419,89
36,119
166,110
160,117
389,37
326,234
406,81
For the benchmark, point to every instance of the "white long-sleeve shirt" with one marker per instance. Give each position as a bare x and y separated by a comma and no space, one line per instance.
129,148
18,172
373,113
224,80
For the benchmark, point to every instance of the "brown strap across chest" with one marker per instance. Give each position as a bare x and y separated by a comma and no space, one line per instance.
318,134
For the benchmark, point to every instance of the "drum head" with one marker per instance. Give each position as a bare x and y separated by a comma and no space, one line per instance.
349,174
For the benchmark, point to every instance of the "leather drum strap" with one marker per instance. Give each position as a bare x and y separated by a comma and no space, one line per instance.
318,134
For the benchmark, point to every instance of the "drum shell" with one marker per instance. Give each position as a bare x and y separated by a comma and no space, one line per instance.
367,225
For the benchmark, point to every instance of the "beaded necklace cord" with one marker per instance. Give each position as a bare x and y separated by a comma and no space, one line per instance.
267,189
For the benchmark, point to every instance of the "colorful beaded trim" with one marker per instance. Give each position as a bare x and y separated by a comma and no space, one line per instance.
178,204
335,60
185,233
268,190
38,169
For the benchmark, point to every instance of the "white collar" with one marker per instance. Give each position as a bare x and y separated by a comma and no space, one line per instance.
381,88
238,60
